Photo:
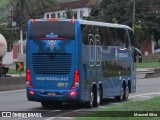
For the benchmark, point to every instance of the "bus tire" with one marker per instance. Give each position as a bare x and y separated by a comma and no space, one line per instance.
126,94
91,100
97,98
120,98
101,95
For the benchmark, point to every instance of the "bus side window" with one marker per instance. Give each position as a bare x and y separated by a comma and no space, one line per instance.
131,36
111,37
85,32
118,36
106,36
121,37
126,39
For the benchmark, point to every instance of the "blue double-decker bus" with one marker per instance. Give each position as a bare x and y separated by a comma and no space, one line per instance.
79,60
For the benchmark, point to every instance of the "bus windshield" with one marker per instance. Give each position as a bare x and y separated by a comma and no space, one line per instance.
63,30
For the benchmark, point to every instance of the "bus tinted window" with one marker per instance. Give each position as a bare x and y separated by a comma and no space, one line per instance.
115,68
121,37
40,29
107,36
131,37
86,30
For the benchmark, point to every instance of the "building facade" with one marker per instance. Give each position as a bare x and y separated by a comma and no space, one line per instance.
80,9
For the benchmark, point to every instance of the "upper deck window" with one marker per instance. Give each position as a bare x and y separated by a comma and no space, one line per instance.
62,29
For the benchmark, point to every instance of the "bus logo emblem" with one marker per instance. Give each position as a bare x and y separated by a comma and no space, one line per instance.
52,44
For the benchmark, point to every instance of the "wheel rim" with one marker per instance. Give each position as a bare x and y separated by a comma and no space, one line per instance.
92,98
98,97
127,93
122,94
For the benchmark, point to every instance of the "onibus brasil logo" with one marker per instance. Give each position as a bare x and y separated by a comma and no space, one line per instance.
52,44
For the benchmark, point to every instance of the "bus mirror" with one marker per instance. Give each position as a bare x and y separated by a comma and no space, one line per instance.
138,53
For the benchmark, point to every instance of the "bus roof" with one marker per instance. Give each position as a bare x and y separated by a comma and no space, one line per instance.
86,22
103,24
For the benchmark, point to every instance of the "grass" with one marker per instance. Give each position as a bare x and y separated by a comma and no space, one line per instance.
150,61
13,71
152,58
128,109
148,65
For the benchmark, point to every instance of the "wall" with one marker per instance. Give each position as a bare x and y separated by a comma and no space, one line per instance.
16,50
146,47
12,83
86,13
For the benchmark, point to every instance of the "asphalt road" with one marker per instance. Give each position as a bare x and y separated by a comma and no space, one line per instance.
17,101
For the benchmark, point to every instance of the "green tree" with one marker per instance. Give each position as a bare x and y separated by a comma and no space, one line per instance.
147,17
8,34
69,13
23,10
26,9
119,10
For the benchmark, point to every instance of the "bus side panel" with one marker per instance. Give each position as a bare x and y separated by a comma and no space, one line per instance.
133,80
82,63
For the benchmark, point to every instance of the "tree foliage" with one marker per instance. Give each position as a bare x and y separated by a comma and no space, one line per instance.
10,35
69,13
147,16
23,10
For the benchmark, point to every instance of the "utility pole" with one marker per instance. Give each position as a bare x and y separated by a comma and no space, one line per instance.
134,9
11,28
21,31
11,20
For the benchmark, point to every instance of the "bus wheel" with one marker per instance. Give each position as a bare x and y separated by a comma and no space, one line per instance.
51,104
126,94
91,101
120,98
98,98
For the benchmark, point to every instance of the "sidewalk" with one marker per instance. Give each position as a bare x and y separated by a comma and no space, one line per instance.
144,70
16,75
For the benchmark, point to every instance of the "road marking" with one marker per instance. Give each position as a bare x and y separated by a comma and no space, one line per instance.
145,94
59,116
68,118
54,111
65,118
102,107
13,91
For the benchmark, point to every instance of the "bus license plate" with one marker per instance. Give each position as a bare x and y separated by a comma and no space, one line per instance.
51,94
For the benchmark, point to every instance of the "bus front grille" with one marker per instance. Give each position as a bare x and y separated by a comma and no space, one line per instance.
52,63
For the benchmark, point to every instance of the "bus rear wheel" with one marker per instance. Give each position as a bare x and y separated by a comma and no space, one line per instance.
98,98
126,94
91,101
121,96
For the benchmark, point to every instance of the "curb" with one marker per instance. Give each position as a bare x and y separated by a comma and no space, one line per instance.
12,83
